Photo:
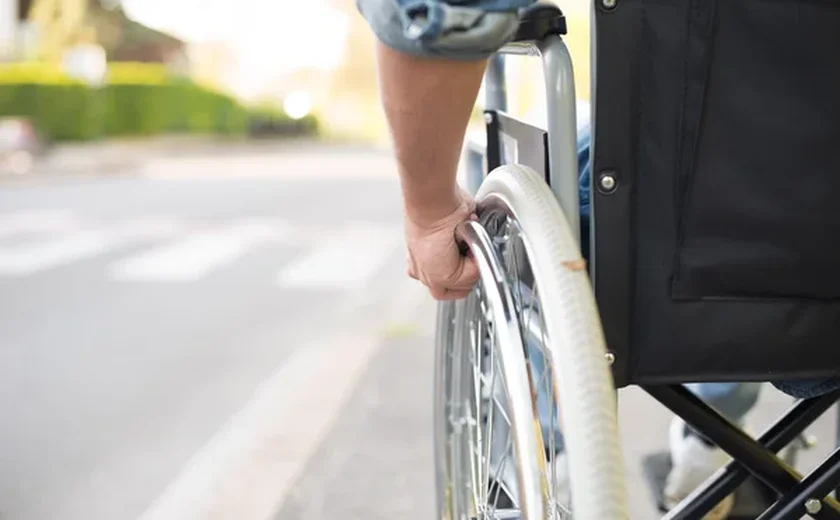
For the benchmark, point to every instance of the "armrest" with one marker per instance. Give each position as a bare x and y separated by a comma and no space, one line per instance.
539,21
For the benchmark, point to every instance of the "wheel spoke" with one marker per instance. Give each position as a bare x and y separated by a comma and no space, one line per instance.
486,420
500,484
503,389
474,480
475,437
489,424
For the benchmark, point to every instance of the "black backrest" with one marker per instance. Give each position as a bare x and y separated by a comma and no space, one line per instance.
717,257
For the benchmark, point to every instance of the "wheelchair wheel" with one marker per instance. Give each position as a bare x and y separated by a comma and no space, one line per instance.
527,334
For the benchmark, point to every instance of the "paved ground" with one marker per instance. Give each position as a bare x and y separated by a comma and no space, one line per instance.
139,315
226,337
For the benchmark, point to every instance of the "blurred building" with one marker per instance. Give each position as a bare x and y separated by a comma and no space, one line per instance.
59,25
8,27
126,40
15,32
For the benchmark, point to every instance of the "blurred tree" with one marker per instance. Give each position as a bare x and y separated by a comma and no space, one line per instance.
23,7
60,23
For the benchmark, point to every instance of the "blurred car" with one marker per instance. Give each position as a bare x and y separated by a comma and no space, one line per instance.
19,146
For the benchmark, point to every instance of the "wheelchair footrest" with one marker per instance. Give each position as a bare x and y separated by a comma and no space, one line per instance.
751,499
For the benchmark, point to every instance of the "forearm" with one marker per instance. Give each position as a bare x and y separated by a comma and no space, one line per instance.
428,103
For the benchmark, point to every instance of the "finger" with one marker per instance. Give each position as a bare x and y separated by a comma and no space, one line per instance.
438,293
443,294
463,285
468,275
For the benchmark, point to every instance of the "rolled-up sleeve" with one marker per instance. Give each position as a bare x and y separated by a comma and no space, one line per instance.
454,29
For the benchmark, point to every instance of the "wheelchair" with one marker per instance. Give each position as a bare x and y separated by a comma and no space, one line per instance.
713,255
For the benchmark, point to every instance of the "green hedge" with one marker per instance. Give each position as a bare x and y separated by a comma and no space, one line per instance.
59,112
137,100
155,109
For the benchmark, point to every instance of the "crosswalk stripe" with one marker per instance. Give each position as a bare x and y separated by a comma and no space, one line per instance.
47,254
346,260
34,221
193,257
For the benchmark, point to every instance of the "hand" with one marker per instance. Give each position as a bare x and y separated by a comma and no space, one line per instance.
433,255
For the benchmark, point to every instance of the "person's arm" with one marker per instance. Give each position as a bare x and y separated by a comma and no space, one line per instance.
427,104
431,59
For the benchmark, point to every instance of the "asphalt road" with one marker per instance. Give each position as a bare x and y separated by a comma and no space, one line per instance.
228,336
139,314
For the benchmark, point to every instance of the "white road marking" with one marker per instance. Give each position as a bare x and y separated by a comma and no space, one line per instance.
47,254
345,260
250,466
195,256
35,221
43,254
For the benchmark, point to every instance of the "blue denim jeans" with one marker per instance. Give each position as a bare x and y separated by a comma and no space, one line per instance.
454,29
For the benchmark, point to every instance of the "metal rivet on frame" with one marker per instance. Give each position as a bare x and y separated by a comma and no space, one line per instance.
607,183
609,4
813,506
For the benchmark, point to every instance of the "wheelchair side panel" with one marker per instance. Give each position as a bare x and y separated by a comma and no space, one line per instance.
717,256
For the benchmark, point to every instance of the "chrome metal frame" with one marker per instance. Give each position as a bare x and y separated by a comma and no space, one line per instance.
527,450
563,179
512,355
561,109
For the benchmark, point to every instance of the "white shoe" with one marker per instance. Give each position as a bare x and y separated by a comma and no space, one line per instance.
692,463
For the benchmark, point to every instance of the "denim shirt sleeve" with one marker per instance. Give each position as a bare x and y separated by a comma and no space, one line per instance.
454,29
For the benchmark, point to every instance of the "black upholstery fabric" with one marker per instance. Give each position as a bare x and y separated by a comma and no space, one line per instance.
718,256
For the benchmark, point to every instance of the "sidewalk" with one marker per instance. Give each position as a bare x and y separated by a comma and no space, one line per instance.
377,463
126,156
119,155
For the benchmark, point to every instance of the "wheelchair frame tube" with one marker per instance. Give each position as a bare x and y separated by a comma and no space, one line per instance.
776,437
561,105
495,89
815,486
495,98
758,459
